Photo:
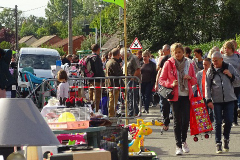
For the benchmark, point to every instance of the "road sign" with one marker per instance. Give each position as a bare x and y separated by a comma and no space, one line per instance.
136,44
134,51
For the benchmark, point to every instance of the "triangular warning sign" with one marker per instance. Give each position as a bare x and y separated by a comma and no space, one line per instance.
136,44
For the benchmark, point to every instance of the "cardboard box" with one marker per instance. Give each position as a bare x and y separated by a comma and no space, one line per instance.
83,155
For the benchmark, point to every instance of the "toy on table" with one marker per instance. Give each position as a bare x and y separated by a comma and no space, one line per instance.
66,117
134,146
133,128
72,139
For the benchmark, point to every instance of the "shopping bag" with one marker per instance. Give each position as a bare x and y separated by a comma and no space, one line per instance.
199,117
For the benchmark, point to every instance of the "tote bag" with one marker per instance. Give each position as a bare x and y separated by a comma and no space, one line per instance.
199,117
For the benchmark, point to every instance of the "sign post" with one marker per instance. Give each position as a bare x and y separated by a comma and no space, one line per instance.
87,30
136,44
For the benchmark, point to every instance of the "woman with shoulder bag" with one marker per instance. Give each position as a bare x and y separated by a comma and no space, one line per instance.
178,74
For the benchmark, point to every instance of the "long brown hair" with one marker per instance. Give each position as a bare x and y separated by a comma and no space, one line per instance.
62,74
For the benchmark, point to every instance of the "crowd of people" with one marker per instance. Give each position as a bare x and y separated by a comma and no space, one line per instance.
216,74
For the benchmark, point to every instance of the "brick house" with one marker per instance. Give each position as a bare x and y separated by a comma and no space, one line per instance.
77,40
46,40
28,40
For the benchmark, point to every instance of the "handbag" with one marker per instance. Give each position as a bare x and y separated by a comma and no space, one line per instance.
166,92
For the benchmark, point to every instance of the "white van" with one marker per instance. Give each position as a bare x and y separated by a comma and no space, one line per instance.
40,59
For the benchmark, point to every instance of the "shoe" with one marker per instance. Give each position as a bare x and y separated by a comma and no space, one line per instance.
138,115
68,103
219,148
185,147
223,125
165,128
72,101
235,124
79,102
170,116
130,115
145,111
179,151
225,145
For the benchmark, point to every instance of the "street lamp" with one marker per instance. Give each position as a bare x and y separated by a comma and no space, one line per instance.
96,10
100,6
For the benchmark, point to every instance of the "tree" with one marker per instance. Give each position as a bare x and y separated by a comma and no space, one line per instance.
62,29
5,45
109,19
57,10
7,18
229,18
157,22
42,32
31,25
90,40
7,35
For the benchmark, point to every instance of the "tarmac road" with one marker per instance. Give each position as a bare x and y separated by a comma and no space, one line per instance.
164,145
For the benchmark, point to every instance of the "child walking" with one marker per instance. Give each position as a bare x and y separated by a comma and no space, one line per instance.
63,87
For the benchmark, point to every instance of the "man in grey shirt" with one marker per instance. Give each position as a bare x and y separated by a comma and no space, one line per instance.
133,69
220,96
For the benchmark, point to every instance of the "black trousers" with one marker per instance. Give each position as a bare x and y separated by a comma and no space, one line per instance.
181,115
165,110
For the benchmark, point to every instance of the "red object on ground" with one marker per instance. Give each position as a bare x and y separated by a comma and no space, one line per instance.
199,117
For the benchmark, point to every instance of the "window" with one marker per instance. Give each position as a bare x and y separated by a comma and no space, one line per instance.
38,61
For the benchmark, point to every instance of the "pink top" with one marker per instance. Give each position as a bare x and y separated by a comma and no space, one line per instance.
169,74
236,52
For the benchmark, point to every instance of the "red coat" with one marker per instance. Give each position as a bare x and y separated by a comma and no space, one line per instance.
169,74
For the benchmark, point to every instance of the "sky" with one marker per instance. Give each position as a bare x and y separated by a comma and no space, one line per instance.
27,5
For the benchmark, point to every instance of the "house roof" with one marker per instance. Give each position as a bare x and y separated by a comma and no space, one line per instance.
65,41
111,43
25,39
42,40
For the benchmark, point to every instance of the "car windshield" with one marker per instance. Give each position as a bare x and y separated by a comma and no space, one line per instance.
38,61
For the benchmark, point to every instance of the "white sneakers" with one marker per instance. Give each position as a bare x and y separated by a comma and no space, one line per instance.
185,149
179,151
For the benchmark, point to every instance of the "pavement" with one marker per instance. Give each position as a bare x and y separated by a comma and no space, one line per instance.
164,145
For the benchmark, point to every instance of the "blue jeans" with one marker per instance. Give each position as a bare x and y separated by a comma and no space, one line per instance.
222,111
132,99
146,89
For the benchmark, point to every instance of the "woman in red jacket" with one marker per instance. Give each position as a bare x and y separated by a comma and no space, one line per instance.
178,73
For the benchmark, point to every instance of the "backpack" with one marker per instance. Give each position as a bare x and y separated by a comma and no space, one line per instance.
85,66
